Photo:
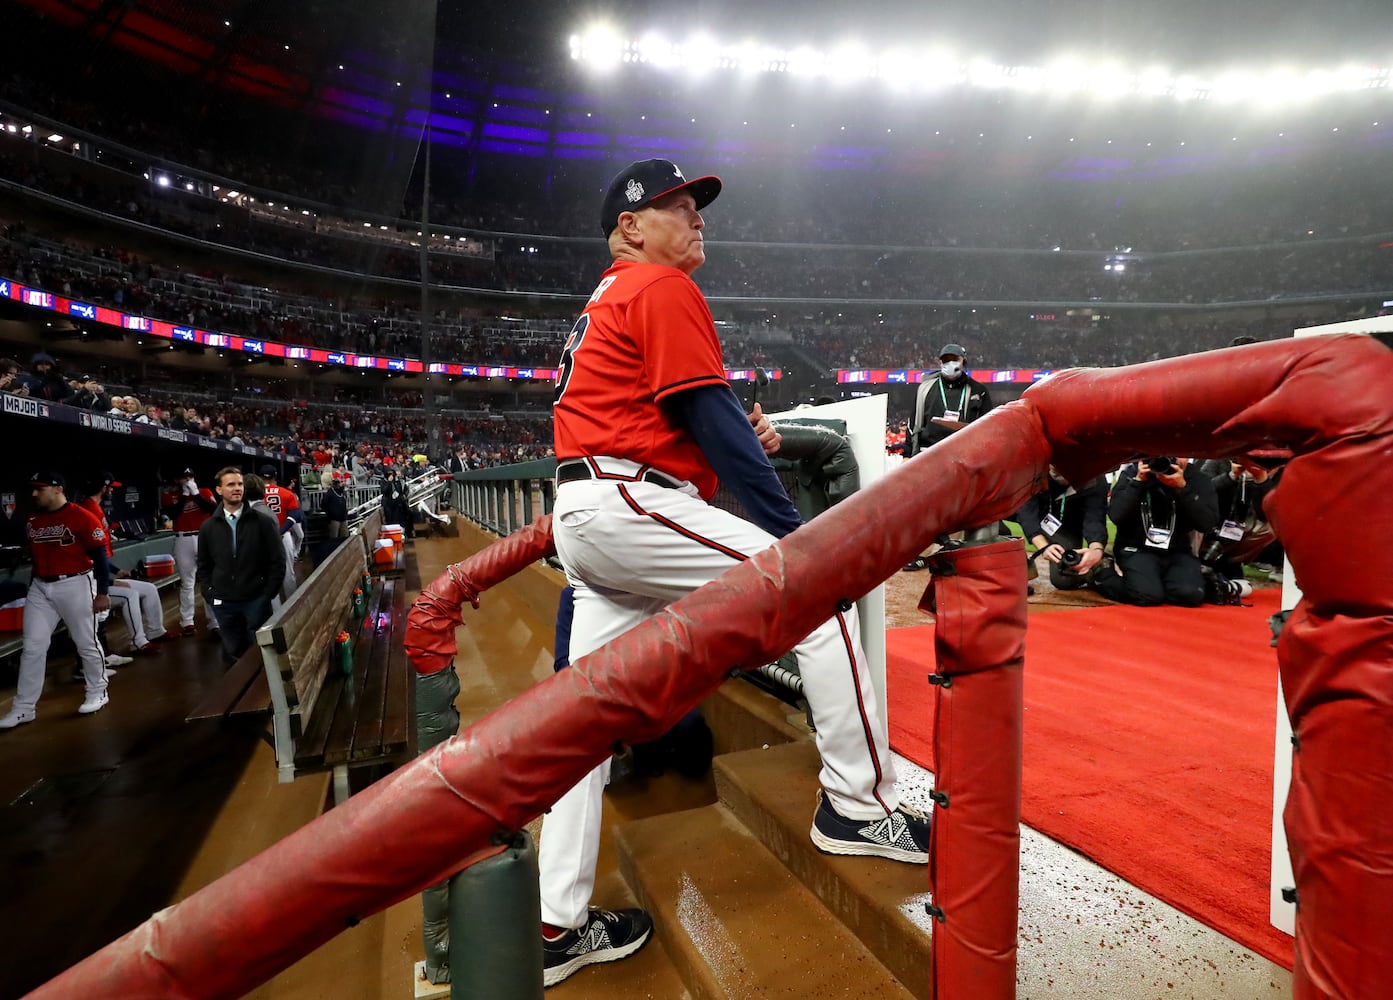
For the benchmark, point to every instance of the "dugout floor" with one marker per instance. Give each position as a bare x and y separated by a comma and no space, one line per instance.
105,819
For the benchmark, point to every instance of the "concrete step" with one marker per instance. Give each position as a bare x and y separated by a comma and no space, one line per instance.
773,792
734,921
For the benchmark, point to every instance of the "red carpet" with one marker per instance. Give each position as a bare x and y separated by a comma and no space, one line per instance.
1148,747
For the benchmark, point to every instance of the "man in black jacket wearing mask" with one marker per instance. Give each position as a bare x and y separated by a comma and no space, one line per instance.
946,400
1158,504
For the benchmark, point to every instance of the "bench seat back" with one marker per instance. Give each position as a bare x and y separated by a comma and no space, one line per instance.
297,645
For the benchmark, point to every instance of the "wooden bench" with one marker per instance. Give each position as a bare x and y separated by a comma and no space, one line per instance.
322,719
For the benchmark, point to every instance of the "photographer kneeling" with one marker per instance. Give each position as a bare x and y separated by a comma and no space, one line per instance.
1243,535
1158,505
1060,517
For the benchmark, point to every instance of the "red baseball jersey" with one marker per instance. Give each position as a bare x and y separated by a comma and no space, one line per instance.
184,510
60,539
645,334
279,500
95,509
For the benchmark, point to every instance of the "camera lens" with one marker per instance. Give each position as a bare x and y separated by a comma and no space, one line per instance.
1071,557
1162,465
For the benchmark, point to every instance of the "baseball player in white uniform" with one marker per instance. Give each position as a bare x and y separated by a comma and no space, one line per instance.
188,508
69,584
646,427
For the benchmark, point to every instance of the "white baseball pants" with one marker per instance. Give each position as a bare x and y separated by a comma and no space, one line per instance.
632,548
69,601
186,565
139,601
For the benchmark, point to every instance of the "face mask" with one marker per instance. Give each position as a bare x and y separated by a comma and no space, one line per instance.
952,369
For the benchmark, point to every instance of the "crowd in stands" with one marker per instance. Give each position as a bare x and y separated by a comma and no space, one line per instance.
937,269
289,426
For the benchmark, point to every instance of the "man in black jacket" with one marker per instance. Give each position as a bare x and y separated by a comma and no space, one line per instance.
334,504
395,509
1243,534
1069,527
946,400
1158,504
241,565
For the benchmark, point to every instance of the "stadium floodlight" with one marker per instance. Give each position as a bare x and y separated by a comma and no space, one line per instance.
806,61
1155,82
1109,81
986,74
1065,77
850,61
162,180
899,67
1190,88
700,53
941,69
55,137
599,47
751,57
907,67
656,50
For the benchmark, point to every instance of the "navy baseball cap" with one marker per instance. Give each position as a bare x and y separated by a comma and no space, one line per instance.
957,350
268,471
47,477
645,181
187,472
98,482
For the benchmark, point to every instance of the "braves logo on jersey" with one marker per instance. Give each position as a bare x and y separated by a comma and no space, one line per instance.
60,540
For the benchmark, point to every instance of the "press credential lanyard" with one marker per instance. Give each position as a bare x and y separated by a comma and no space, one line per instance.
962,402
1156,538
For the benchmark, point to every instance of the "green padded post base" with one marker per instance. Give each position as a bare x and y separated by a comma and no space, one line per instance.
496,927
437,720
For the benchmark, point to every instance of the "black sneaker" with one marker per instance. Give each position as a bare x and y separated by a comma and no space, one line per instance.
606,937
901,836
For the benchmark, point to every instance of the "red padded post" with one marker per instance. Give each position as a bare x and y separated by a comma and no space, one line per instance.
430,626
979,608
1328,400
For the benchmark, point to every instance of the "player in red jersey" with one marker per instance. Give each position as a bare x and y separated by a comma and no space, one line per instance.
187,508
646,427
137,600
283,502
69,584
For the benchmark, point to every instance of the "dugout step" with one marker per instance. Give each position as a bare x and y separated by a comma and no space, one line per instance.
734,921
773,792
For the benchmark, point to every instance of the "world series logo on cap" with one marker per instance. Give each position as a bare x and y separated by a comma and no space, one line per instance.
633,191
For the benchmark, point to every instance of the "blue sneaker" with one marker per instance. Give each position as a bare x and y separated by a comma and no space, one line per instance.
606,937
903,835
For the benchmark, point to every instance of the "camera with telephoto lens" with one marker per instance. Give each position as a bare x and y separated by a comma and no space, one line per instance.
1162,465
1071,557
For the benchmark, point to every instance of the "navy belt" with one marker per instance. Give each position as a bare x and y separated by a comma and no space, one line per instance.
65,576
569,472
